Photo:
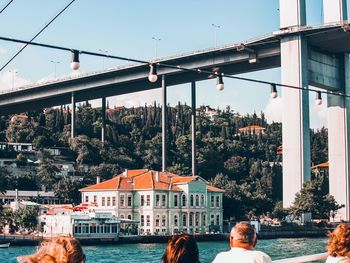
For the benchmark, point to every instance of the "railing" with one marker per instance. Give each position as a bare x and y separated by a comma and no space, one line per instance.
308,258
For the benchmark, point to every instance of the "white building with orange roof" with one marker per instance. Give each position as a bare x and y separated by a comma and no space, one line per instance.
163,203
252,129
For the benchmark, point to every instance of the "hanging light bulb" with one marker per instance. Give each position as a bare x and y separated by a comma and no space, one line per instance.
75,60
318,98
219,83
152,77
273,93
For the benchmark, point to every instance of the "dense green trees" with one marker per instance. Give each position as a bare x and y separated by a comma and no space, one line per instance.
245,165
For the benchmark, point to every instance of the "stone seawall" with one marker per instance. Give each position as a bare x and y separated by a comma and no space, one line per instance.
34,241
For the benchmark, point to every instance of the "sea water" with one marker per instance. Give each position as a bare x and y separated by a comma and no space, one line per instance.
143,253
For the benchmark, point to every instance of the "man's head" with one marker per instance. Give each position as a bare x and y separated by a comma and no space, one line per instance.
243,235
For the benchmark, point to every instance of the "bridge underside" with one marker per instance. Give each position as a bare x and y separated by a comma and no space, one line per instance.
325,42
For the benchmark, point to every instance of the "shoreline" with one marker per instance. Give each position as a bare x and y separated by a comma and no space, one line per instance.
28,240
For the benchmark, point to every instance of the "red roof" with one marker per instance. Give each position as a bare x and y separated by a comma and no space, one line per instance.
214,189
143,179
251,127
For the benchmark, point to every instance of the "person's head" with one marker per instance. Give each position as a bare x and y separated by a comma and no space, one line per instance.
243,235
181,249
57,250
339,241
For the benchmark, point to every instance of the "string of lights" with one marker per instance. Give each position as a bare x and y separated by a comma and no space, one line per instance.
153,77
6,6
36,35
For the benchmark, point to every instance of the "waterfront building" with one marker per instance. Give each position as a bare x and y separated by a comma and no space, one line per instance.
163,203
41,197
82,225
252,129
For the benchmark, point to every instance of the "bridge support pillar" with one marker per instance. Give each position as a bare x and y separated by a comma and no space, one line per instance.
338,113
295,125
103,112
193,125
164,125
72,128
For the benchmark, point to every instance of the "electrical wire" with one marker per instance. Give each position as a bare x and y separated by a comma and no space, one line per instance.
36,35
199,71
6,6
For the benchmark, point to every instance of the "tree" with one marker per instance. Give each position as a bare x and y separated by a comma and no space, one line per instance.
26,218
47,173
67,190
311,199
21,160
104,170
5,179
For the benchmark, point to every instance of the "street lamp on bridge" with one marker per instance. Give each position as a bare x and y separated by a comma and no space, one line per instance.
55,64
216,27
156,45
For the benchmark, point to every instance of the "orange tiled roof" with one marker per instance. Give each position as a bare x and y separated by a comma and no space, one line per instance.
321,165
214,189
251,127
143,179
182,179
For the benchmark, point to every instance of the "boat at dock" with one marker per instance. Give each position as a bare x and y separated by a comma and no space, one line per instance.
5,245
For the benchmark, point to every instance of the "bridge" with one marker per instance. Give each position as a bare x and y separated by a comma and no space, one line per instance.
316,56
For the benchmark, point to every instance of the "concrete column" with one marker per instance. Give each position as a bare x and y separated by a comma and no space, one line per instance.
73,116
334,11
295,126
164,125
338,146
193,124
103,112
338,124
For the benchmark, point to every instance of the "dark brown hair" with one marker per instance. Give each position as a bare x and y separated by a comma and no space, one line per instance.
339,241
57,250
181,249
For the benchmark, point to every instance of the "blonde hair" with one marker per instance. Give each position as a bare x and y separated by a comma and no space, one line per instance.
57,250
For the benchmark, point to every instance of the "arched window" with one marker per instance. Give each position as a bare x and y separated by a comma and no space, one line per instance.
129,217
204,219
184,220
157,220
183,200
163,220
197,200
217,219
191,220
175,220
122,216
191,200
202,200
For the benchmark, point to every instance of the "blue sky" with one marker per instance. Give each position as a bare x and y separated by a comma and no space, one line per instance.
126,28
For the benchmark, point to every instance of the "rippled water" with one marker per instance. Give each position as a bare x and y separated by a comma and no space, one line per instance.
276,248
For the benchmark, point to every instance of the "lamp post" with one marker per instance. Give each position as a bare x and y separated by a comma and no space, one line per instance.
55,65
216,27
156,45
14,72
103,58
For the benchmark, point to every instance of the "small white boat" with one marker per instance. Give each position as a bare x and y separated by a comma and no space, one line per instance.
4,245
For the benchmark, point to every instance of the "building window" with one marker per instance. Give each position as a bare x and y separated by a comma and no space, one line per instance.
129,200
183,200
163,200
129,217
191,200
217,201
157,201
122,216
175,220
212,201
217,219
184,220
157,220
163,220
202,200
148,200
86,199
142,200
204,220
108,201
191,220
148,220
95,198
142,220
176,204
122,200
197,219
212,219
197,200
103,201
113,201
